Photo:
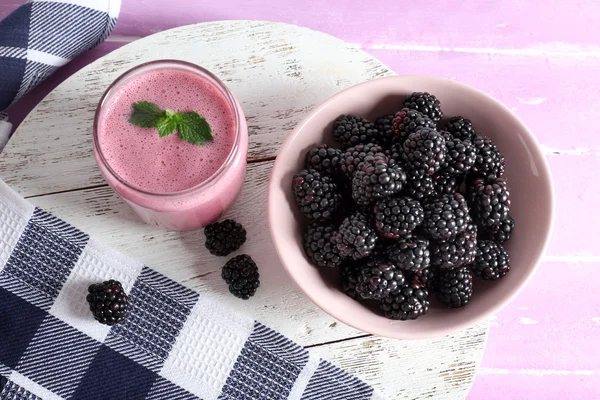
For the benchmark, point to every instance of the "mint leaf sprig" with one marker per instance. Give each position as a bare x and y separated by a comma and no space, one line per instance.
190,126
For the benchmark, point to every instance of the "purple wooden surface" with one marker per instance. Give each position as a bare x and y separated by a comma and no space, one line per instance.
539,57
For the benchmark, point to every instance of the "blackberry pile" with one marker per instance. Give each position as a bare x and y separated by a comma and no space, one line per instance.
409,209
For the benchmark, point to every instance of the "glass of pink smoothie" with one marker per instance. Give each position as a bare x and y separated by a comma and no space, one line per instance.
167,181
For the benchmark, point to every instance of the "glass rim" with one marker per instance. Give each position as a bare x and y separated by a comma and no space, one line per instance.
173,63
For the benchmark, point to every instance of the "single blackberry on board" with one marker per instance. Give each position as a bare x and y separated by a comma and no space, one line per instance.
354,155
324,159
460,156
461,128
425,103
410,302
427,276
379,279
424,150
376,178
407,121
108,302
316,194
319,246
454,287
445,183
456,251
225,237
349,273
418,185
410,253
488,160
446,216
349,130
502,232
397,216
241,274
491,262
355,238
490,202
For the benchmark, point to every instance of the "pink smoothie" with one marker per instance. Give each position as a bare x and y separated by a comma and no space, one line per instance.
170,182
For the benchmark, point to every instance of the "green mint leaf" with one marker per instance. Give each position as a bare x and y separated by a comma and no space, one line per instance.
193,128
146,115
167,125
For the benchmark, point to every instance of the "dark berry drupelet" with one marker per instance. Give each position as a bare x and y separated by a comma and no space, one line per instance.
410,253
456,251
409,303
397,216
446,216
349,130
349,273
384,130
424,150
425,103
418,185
394,152
319,246
376,178
355,237
108,302
460,156
445,183
353,156
427,276
324,159
379,279
454,287
407,121
502,232
488,160
316,194
461,128
241,274
490,202
491,262
223,238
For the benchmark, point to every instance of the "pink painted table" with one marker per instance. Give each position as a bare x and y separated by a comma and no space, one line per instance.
540,58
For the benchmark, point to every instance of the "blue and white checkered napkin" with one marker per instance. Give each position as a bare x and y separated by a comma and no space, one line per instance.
175,344
41,36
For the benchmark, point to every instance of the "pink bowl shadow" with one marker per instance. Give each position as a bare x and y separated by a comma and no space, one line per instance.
527,173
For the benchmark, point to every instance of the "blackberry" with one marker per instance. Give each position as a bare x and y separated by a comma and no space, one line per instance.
241,274
427,276
409,303
425,103
379,279
418,185
454,287
324,159
384,129
492,261
488,160
446,216
461,128
394,152
349,273
460,156
354,155
316,194
490,202
397,216
410,253
445,183
223,238
376,178
424,150
407,121
349,130
501,233
108,302
355,238
456,251
319,246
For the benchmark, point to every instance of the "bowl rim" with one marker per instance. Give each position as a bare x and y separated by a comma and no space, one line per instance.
536,151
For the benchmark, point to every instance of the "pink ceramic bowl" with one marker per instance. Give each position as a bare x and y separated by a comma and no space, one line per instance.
528,178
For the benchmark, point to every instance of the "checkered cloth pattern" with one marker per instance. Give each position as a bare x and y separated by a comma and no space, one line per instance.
175,343
41,36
